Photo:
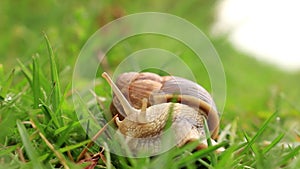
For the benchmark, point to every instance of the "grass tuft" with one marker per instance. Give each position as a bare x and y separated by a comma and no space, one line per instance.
30,150
56,91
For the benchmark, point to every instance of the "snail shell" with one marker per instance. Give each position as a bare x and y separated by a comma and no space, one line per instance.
162,89
143,102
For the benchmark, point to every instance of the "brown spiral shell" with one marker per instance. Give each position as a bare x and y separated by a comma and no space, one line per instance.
162,89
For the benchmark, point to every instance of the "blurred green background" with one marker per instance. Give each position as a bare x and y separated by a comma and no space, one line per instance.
253,88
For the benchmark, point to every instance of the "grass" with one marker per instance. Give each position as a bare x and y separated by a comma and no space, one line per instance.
44,137
40,129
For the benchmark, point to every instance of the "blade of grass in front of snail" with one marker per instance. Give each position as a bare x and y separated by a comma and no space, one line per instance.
209,143
125,104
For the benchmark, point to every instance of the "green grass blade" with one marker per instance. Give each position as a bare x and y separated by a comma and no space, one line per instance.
7,84
204,163
72,147
286,159
56,96
209,143
274,143
36,82
199,154
64,132
32,154
260,131
49,114
163,160
259,163
107,156
64,136
26,72
62,129
227,157
1,73
7,150
248,139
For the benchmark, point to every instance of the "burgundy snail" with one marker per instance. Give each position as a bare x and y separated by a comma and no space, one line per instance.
143,102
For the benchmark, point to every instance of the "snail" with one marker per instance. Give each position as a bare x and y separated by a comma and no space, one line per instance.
145,102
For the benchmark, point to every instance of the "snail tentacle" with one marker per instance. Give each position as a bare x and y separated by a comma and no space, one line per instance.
127,107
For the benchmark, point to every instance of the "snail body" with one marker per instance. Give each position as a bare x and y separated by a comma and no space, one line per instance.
145,102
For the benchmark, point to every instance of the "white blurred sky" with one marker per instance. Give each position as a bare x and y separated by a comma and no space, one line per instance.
267,29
